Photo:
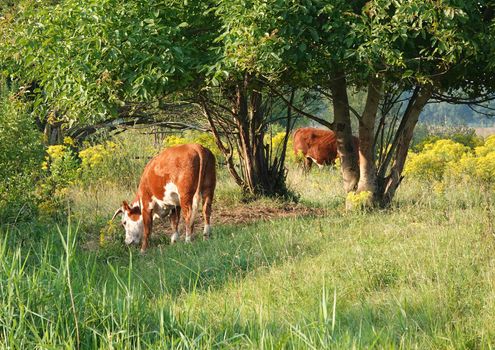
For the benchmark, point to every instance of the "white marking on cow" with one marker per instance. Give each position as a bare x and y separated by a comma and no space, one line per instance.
133,229
171,195
314,160
162,207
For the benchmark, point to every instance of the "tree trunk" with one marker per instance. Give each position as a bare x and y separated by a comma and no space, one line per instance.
257,172
342,124
388,185
367,179
53,133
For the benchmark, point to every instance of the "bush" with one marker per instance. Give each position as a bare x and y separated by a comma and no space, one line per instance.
432,161
428,135
445,160
21,154
479,165
193,136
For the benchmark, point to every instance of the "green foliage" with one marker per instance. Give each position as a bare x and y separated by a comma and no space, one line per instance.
88,57
193,136
21,153
463,135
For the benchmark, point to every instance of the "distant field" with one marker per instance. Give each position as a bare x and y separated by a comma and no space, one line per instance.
484,132
420,275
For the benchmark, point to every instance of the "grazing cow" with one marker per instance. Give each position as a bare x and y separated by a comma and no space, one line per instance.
317,145
173,181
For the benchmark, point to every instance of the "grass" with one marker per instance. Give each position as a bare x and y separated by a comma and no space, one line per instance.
420,275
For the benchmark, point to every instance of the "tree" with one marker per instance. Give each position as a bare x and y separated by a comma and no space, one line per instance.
237,59
95,64
402,54
111,63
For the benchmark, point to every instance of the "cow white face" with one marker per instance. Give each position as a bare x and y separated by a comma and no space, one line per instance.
132,221
133,229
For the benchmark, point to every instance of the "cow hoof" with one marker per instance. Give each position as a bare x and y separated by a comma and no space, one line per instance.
188,239
205,238
175,238
142,251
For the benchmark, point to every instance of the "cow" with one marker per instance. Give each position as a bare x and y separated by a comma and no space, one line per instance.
172,182
318,146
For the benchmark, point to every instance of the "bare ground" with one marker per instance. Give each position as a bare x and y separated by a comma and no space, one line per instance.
223,214
246,213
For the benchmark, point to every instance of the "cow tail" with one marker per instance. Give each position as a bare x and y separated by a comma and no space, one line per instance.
200,178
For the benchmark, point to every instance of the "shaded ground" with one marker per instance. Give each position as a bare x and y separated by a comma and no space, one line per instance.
246,213
223,215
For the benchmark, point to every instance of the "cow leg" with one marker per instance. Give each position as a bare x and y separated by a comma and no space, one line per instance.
148,224
174,222
307,164
207,198
188,213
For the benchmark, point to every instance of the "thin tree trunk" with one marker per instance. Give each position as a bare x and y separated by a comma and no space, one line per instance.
255,172
227,152
367,167
392,182
342,123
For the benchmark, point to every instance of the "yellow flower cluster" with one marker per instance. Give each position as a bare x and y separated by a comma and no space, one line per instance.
480,165
431,163
69,141
56,151
359,200
174,140
192,136
93,156
447,159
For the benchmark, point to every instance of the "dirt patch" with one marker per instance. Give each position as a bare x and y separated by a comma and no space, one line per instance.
223,214
243,214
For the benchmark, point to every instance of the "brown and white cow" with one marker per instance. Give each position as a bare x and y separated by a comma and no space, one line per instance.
175,180
317,145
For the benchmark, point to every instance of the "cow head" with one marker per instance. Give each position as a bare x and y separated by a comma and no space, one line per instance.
132,221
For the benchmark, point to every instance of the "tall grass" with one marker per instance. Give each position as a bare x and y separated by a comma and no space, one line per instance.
419,275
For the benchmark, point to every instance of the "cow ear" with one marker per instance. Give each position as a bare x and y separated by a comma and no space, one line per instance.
125,206
117,212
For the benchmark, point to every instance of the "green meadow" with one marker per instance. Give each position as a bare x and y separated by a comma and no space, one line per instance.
418,275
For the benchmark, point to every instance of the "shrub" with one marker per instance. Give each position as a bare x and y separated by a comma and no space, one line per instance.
463,135
361,200
432,161
193,136
479,165
21,153
60,170
276,143
446,160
